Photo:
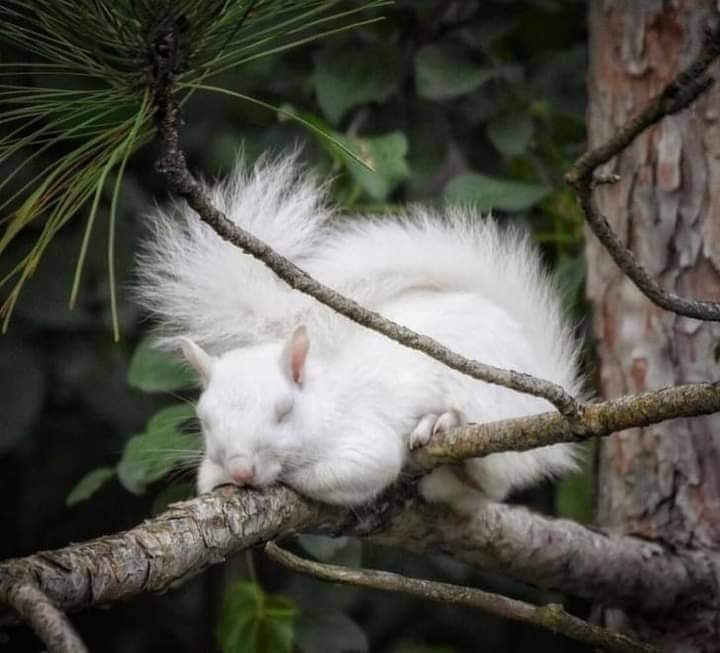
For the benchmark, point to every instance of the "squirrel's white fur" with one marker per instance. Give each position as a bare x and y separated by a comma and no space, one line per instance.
206,289
332,408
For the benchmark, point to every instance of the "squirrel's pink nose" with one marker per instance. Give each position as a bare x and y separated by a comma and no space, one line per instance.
240,469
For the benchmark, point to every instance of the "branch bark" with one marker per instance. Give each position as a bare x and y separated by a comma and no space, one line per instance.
551,616
50,625
601,419
554,554
190,536
562,555
682,91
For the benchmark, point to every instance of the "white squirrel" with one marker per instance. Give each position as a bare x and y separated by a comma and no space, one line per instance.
293,392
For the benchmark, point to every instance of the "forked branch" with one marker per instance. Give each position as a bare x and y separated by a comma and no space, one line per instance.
677,95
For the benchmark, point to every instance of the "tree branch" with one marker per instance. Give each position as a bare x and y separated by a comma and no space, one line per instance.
173,166
50,625
596,420
551,616
193,535
180,543
677,95
190,536
551,553
559,554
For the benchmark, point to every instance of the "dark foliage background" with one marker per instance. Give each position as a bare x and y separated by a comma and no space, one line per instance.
478,102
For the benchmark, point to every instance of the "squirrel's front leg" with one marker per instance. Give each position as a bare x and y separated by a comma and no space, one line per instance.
350,475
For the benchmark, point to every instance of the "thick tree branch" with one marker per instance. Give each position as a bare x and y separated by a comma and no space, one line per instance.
677,95
174,168
180,543
190,536
550,553
50,625
559,554
551,616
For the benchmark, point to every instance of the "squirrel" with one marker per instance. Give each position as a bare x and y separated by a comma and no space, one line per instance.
296,393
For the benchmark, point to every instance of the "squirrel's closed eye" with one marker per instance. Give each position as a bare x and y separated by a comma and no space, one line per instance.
283,410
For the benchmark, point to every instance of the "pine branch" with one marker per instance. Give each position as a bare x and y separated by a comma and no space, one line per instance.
89,132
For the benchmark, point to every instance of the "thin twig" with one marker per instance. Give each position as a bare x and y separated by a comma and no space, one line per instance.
551,616
174,167
677,95
47,622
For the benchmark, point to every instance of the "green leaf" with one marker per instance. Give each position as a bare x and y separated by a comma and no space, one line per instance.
347,76
150,456
442,74
170,417
385,155
155,371
89,485
489,193
254,622
511,133
329,631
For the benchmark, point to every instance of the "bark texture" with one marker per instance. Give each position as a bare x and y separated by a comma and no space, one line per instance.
659,482
164,551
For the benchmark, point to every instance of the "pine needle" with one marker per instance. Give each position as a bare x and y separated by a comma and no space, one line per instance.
92,111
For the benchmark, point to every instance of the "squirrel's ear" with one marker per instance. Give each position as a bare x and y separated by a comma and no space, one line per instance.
295,354
197,357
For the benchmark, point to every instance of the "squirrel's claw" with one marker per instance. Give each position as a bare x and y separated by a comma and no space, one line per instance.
431,424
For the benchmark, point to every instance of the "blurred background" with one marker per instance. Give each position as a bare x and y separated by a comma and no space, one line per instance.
480,102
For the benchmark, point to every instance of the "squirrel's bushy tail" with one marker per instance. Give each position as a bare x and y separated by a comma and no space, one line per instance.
375,259
197,285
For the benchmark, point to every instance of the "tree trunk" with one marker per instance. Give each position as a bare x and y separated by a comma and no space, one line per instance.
660,482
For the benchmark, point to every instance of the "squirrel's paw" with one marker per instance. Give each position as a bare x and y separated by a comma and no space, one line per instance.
423,431
431,424
448,420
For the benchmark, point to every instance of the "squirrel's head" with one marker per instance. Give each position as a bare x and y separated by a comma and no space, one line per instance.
247,410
